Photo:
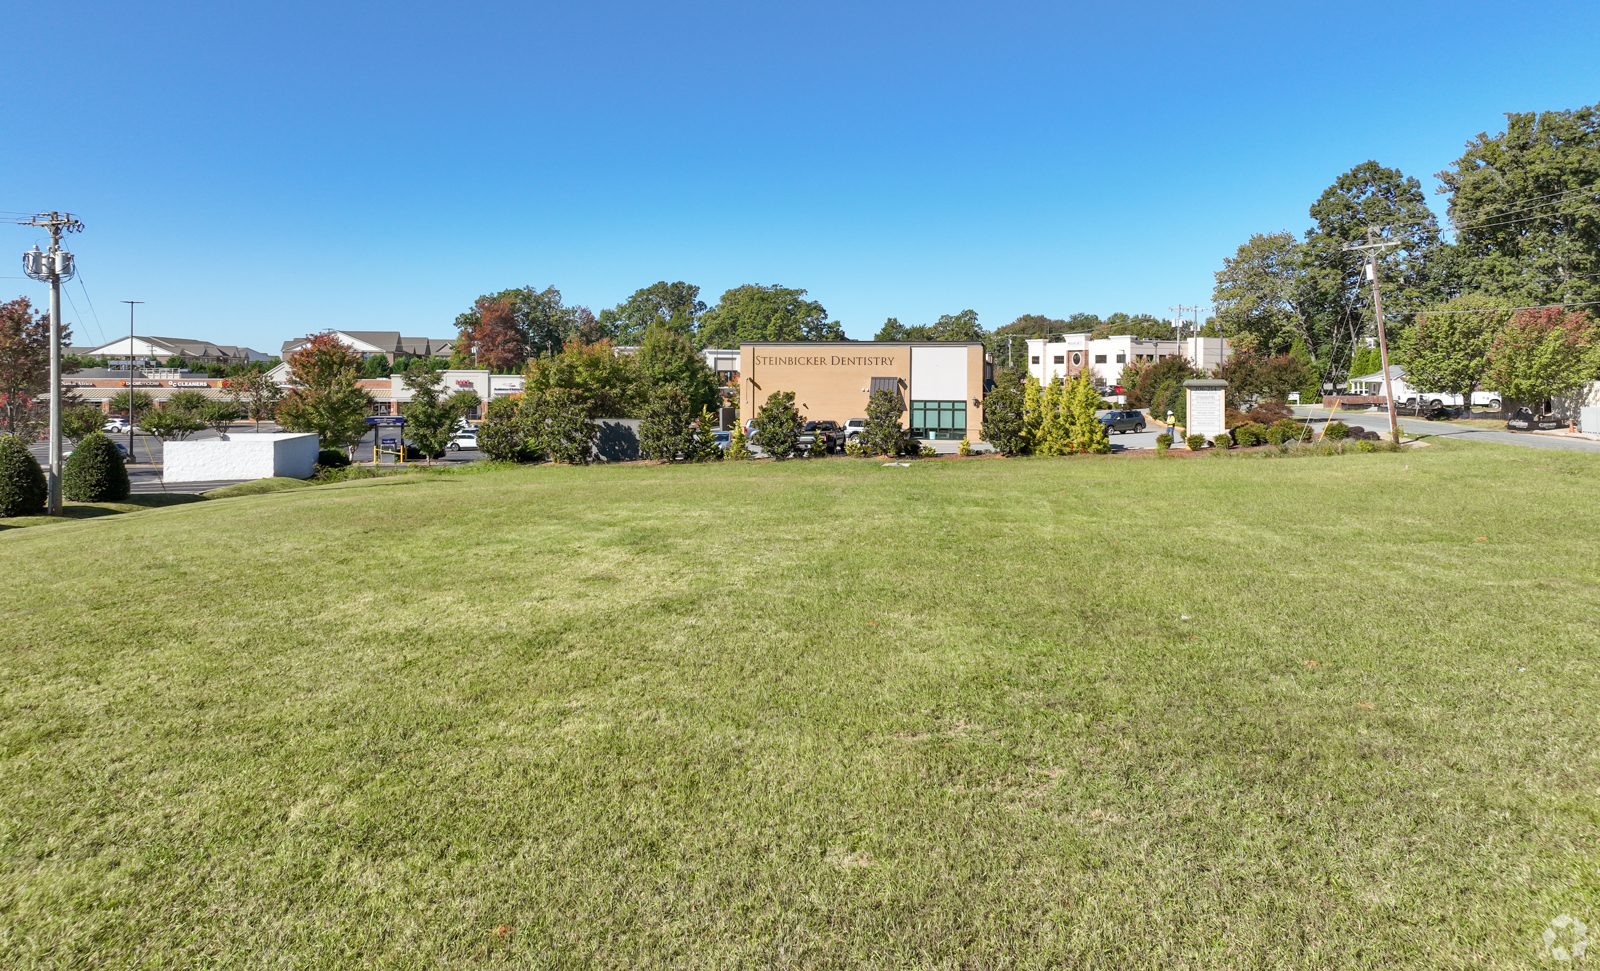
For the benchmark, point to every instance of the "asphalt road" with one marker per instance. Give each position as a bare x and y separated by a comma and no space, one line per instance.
1379,422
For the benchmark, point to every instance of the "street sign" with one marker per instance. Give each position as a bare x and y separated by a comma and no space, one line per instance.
387,420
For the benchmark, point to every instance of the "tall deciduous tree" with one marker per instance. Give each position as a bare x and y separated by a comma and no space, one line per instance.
1526,206
667,359
673,306
25,367
1542,354
766,313
1261,290
609,383
325,398
1448,350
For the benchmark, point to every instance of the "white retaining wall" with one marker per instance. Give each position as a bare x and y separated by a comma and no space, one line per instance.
237,456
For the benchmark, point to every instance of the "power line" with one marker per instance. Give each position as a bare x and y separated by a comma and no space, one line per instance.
1535,199
1506,310
101,330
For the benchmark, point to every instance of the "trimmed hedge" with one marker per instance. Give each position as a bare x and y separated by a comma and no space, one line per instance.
1195,442
1250,434
1335,430
23,491
94,472
333,458
1222,441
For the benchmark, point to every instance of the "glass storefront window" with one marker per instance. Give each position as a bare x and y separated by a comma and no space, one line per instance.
939,420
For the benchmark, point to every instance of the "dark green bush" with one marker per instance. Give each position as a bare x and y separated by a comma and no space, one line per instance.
1336,431
778,425
23,491
1163,441
1222,441
1250,434
1284,430
94,472
333,458
1195,442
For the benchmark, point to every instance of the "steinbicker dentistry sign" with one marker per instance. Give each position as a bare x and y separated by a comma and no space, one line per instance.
824,360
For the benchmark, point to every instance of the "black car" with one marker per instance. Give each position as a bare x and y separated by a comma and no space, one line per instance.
827,429
1123,421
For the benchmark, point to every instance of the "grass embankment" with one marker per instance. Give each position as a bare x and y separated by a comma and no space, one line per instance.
1109,713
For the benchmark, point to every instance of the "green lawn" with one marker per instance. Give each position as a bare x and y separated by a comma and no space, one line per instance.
999,713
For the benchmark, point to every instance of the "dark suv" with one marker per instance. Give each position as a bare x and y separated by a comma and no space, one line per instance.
827,429
1123,421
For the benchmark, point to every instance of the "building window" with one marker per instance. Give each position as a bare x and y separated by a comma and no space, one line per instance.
1060,359
1077,359
1099,359
1122,359
1036,359
940,421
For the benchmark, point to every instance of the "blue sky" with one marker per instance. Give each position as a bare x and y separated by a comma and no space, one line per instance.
258,174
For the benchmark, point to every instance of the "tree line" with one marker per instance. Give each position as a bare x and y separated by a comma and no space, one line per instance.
1524,208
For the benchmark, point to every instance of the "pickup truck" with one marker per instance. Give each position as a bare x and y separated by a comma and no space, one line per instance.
832,440
1439,399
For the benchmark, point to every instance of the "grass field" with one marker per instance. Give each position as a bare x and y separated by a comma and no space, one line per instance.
1095,713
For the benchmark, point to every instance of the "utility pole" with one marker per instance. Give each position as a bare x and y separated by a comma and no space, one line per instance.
1178,322
1371,249
52,268
130,304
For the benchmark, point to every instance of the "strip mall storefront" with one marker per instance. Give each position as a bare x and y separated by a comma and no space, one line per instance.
940,384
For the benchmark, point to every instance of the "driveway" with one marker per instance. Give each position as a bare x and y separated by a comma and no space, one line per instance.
1379,422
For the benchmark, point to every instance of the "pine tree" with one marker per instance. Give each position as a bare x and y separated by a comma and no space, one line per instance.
1032,414
1085,432
1053,432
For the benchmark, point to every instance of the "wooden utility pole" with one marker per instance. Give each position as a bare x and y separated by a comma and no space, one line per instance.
1371,249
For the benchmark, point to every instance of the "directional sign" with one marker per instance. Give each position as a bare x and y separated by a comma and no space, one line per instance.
387,420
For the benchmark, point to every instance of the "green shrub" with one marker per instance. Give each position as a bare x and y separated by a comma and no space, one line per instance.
883,434
1250,434
739,445
1222,441
965,447
1336,431
854,448
778,425
333,458
927,451
1163,441
81,422
1284,430
503,433
94,472
23,491
667,430
1195,442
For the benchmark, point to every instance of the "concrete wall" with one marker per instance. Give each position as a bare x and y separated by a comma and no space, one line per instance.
240,456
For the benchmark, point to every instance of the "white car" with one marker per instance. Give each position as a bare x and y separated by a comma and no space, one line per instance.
115,425
853,429
463,440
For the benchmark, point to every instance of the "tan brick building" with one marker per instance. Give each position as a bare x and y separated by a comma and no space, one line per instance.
941,383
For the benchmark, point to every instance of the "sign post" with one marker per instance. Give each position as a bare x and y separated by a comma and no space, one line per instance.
1205,406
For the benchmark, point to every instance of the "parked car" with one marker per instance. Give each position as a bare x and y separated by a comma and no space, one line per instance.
1434,400
463,439
722,439
827,429
1123,422
117,424
854,429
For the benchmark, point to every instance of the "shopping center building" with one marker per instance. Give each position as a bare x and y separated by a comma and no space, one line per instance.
940,383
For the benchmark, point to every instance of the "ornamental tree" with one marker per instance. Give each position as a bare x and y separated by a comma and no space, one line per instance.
95,472
1086,433
23,491
25,367
1002,413
1448,351
431,415
170,424
325,399
665,432
1542,354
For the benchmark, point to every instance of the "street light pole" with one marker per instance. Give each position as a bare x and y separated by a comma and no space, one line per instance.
130,304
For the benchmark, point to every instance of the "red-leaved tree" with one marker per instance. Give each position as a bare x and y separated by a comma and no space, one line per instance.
325,397
493,336
25,367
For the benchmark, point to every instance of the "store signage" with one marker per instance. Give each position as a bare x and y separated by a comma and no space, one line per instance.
825,360
143,384
463,384
77,384
191,384
387,420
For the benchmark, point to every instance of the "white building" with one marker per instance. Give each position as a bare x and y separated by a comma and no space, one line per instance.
1107,356
389,343
167,348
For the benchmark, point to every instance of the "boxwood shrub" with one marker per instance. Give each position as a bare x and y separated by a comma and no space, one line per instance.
22,487
94,472
1335,431
1222,441
1250,434
1195,442
1284,430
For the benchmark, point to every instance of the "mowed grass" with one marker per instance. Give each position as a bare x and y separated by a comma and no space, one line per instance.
982,714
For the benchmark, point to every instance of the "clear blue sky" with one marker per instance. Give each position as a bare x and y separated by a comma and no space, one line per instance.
259,171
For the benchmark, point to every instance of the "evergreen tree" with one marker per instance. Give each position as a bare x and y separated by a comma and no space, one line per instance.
1086,433
1002,413
778,425
666,432
704,438
1032,413
883,434
559,425
94,472
23,491
1054,435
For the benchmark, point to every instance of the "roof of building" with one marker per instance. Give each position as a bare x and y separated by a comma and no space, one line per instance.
177,346
385,342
